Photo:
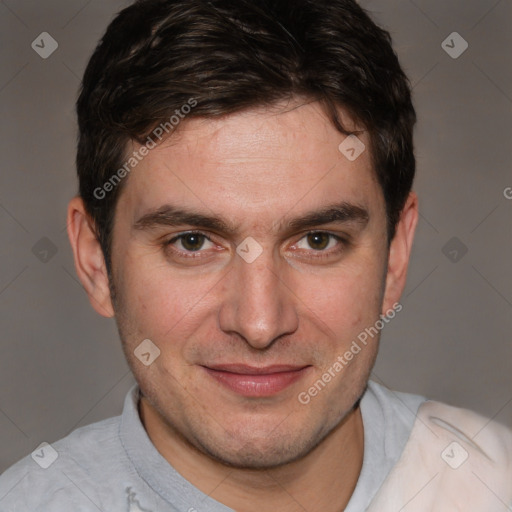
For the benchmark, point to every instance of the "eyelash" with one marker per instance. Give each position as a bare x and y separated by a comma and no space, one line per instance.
181,236
318,254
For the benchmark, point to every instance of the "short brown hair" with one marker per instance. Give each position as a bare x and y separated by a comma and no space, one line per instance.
231,55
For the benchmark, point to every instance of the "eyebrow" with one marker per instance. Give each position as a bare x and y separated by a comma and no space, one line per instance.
171,216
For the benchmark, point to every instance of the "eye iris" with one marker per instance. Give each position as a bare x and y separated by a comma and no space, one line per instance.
192,242
318,241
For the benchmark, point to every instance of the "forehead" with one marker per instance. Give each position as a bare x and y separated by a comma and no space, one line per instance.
260,163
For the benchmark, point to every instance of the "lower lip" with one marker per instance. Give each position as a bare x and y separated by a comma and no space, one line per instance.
257,385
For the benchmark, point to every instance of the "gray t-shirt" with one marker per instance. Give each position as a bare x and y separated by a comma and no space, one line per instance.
112,466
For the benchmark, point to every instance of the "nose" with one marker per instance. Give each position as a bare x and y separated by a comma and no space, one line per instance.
258,305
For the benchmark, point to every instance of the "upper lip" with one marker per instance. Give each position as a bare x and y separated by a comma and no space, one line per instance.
244,369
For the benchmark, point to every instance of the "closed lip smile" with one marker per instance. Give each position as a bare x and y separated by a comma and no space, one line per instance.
256,381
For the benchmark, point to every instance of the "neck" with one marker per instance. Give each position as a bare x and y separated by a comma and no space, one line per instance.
322,480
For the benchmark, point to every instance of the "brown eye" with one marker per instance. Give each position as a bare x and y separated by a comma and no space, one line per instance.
318,241
192,241
191,248
320,244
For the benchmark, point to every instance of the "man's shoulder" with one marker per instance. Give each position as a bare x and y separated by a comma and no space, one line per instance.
391,412
454,457
61,468
469,441
397,401
88,444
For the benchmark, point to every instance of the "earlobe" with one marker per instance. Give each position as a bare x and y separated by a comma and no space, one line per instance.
400,252
88,256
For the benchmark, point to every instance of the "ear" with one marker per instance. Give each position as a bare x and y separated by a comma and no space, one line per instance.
89,261
400,252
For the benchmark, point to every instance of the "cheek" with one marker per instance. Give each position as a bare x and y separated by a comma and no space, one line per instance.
158,304
347,301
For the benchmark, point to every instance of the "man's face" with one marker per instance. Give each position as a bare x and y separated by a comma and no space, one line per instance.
242,334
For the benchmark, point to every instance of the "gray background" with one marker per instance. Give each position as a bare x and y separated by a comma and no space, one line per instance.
61,364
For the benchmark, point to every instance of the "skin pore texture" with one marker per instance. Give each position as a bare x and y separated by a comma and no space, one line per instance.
325,273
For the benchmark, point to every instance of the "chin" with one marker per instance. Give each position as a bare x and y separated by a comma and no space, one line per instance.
254,457
261,452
